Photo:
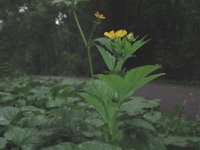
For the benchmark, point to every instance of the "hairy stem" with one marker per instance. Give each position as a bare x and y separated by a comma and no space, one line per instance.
85,43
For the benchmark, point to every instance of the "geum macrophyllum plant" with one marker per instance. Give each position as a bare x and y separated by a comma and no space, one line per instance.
108,92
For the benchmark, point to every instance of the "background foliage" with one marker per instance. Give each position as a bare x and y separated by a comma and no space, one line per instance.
31,42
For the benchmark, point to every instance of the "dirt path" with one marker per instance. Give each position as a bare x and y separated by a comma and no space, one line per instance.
171,95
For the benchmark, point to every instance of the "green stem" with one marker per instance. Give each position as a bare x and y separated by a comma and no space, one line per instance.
113,127
85,43
92,33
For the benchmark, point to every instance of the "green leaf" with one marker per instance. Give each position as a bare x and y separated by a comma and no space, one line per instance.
100,90
140,76
116,82
8,114
133,80
137,105
97,105
105,42
94,145
181,140
109,60
62,146
3,143
153,116
129,51
139,123
22,136
90,145
146,141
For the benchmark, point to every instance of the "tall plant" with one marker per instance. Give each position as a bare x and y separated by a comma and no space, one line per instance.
108,92
87,40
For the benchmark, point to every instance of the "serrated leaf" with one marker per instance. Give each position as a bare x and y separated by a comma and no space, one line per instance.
7,115
147,141
181,140
153,116
96,103
139,123
3,143
62,146
133,80
22,136
109,60
137,105
94,145
105,42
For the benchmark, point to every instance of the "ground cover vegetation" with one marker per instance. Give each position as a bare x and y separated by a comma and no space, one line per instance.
48,114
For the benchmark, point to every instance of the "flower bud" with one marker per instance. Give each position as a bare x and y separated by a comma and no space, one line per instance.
131,37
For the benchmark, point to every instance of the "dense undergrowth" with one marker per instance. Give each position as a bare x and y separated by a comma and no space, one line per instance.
40,114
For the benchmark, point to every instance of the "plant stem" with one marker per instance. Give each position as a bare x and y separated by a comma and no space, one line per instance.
85,43
113,127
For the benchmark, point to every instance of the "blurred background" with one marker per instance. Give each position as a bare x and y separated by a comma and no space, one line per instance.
39,38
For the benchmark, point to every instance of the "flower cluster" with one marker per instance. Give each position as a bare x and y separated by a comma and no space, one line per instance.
114,35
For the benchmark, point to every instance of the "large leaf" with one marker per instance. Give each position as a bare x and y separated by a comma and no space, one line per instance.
146,141
152,116
94,145
181,141
97,105
133,80
101,96
137,105
8,114
139,123
3,143
63,146
90,145
140,76
100,90
22,136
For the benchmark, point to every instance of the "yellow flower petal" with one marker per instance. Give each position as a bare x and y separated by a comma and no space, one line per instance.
99,16
110,34
120,33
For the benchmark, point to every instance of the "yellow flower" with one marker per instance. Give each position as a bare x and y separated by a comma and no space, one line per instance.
99,16
110,34
118,34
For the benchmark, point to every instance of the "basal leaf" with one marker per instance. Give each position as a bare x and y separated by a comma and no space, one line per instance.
139,123
181,141
7,114
3,143
62,146
137,105
94,145
146,141
153,116
22,136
